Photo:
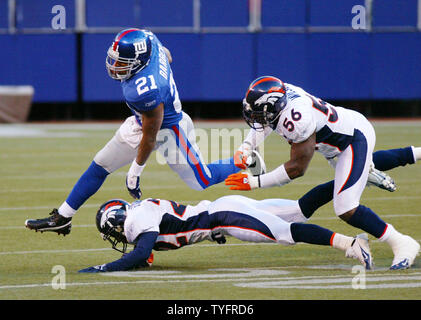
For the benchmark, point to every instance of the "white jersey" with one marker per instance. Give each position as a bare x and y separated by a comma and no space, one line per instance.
246,219
169,219
305,114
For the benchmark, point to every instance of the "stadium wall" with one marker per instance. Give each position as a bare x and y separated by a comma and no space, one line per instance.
215,62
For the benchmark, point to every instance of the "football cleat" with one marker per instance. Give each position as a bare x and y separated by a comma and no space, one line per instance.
55,223
380,179
257,165
405,253
361,251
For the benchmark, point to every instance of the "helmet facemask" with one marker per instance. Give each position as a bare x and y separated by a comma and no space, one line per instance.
110,223
120,68
261,114
115,235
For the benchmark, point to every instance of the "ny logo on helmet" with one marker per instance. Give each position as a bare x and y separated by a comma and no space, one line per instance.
271,98
140,47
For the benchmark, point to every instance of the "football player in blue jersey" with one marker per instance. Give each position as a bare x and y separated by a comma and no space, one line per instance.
157,224
343,136
138,60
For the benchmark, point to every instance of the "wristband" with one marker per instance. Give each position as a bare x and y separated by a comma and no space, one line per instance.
277,177
136,169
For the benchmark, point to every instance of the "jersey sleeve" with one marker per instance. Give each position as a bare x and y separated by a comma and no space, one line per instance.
140,221
137,257
146,101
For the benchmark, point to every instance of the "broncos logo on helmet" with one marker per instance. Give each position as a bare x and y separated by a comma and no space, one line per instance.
265,99
110,220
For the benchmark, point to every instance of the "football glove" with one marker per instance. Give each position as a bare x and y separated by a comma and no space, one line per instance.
218,237
133,179
242,181
242,157
241,160
94,269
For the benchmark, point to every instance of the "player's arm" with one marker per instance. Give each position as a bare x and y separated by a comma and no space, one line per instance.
168,53
301,155
151,124
137,258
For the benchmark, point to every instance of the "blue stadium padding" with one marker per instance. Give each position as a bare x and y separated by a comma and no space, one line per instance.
277,13
220,13
395,13
339,65
4,14
37,14
100,13
332,12
177,13
47,62
187,63
396,65
227,65
97,85
283,56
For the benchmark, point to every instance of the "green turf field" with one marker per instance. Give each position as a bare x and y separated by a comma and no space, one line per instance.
40,164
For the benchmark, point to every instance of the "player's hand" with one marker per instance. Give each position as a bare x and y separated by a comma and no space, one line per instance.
241,160
132,184
133,180
218,237
242,181
94,269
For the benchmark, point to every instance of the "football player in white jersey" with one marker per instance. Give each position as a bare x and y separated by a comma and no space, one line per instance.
165,225
343,136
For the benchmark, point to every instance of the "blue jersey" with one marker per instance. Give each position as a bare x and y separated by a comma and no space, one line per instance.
152,86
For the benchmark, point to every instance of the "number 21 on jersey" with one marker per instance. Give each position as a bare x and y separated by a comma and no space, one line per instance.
141,84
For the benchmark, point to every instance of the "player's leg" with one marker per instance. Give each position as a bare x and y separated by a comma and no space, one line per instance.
243,219
118,152
383,160
184,157
350,180
388,159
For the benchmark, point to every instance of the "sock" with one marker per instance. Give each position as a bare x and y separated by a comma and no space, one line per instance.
89,183
388,159
315,198
417,153
66,211
221,169
310,233
391,236
365,219
341,242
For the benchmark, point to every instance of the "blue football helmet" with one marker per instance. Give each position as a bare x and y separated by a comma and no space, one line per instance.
130,52
264,101
110,222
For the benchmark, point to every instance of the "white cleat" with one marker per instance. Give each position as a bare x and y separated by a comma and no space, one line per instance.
380,179
405,253
257,164
360,250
